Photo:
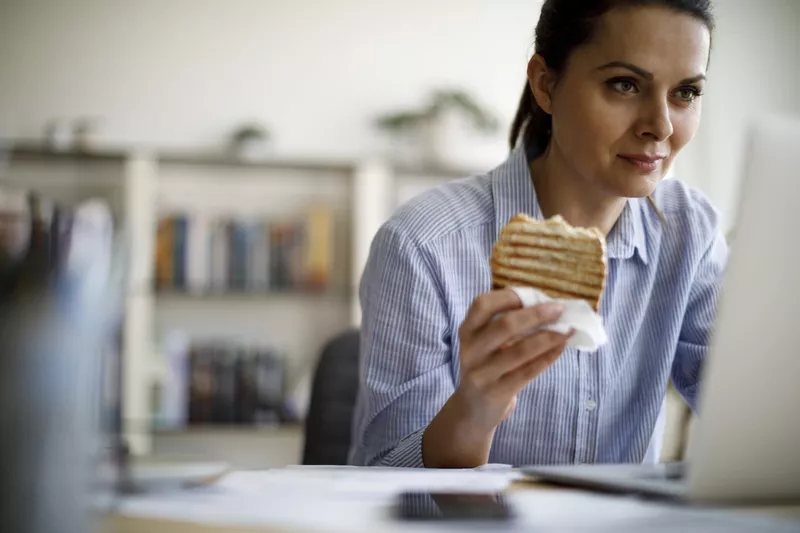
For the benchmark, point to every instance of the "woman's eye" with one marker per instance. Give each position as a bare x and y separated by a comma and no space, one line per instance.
624,86
687,94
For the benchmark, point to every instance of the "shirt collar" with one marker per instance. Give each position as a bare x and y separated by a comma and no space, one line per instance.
628,234
513,192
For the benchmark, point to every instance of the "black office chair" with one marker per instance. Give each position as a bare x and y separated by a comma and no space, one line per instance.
333,397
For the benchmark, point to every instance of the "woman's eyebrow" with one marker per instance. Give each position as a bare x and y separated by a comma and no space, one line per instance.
646,74
693,79
630,66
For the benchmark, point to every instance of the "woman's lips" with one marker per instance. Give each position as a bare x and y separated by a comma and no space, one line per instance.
642,162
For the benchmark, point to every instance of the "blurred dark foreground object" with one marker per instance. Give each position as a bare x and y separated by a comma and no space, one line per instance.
333,398
56,314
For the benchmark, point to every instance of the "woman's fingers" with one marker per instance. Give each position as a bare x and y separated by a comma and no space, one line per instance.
507,361
486,306
522,375
513,326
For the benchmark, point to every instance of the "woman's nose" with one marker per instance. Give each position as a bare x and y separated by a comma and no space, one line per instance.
655,122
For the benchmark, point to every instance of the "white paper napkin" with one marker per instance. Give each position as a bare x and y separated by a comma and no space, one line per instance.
578,315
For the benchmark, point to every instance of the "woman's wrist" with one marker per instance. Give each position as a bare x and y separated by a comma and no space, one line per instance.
454,439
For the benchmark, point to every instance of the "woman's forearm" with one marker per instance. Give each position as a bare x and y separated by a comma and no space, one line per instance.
451,440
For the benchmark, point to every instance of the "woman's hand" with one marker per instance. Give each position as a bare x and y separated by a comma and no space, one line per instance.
498,358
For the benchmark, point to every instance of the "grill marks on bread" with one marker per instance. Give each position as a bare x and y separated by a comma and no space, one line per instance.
550,255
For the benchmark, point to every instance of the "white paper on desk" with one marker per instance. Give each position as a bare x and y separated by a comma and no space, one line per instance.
589,334
368,481
327,499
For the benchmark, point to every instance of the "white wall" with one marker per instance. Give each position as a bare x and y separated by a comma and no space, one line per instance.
755,69
182,73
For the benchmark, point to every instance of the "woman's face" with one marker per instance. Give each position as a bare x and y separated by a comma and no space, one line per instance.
628,101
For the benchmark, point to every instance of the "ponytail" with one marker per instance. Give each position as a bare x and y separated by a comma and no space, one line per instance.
523,116
531,123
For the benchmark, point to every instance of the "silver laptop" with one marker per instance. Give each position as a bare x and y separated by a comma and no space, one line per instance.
746,445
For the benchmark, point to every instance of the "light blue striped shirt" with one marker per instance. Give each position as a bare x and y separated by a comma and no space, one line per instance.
430,260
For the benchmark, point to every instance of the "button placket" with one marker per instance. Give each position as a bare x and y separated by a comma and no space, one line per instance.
583,422
592,403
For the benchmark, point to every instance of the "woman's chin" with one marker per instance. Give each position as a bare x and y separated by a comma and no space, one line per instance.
636,186
629,190
632,182
641,192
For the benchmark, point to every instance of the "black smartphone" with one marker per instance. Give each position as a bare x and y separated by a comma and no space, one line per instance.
453,506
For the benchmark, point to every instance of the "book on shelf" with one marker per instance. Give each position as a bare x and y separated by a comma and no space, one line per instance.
200,253
223,383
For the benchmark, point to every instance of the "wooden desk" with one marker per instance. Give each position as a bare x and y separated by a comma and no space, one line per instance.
125,524
142,525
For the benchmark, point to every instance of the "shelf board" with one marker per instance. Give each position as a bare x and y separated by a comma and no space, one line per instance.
223,160
31,152
212,295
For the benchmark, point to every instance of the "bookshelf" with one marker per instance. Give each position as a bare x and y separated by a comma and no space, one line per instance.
145,187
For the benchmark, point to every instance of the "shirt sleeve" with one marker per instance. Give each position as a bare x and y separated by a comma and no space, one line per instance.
698,320
405,371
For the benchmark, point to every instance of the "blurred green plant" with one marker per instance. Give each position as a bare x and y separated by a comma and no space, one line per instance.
249,132
440,102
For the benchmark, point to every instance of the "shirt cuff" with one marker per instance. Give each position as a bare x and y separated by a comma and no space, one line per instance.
408,453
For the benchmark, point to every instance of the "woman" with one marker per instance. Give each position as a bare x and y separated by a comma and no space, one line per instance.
613,95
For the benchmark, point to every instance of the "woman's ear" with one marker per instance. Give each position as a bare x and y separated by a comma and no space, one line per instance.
541,80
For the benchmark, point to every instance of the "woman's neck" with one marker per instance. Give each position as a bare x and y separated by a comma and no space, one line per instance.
561,191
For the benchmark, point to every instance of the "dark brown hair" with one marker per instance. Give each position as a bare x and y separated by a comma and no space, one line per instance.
563,26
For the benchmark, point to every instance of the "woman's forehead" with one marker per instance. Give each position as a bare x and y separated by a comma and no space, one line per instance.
654,38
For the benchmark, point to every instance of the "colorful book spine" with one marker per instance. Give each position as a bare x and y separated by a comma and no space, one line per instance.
198,263
237,256
319,248
180,230
279,267
258,258
218,256
164,246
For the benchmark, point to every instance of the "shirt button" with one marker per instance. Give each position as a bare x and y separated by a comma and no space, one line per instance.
590,405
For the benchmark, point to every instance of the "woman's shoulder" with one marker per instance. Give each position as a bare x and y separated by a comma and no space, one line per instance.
444,210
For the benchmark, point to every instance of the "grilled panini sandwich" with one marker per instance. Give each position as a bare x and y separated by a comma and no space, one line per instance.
561,260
